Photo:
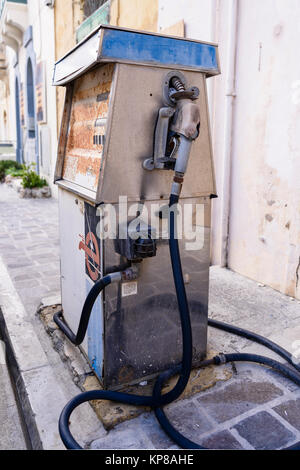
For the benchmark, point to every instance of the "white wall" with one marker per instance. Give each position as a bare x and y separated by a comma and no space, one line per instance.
262,150
41,18
7,101
199,19
10,100
264,226
197,15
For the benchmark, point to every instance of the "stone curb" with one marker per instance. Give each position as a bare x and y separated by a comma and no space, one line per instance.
39,391
13,434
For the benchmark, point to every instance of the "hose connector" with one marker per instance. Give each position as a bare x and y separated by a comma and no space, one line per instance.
130,274
220,359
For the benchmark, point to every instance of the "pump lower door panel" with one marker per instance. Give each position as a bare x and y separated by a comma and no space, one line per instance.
141,318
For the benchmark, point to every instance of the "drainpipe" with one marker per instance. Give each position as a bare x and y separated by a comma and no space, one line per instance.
211,84
228,128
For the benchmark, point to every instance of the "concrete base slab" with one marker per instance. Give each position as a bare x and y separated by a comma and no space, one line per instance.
50,300
110,413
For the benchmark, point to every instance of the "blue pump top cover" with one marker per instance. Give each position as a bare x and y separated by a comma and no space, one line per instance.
158,50
113,44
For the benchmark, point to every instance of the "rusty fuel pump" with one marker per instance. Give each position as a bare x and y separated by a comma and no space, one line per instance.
135,124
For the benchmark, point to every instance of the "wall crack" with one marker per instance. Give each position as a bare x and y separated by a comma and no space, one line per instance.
297,273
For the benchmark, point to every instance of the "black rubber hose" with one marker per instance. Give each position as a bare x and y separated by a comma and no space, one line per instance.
254,337
157,400
284,369
267,361
85,314
184,369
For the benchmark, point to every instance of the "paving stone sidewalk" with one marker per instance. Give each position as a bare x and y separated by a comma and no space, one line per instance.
255,409
29,245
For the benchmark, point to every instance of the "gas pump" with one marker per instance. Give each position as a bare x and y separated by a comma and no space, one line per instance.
135,142
131,122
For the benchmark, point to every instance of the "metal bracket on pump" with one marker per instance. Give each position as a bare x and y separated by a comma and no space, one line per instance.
180,117
159,159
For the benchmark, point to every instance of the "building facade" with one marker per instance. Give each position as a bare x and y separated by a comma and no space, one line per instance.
27,34
33,35
254,108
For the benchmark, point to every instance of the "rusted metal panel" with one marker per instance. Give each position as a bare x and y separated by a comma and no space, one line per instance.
86,128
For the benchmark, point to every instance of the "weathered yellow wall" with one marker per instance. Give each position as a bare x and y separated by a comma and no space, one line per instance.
135,14
4,110
68,14
176,29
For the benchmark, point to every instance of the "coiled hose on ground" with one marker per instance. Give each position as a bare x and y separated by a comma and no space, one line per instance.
157,400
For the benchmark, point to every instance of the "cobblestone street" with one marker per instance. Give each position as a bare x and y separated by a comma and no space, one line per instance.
255,409
29,245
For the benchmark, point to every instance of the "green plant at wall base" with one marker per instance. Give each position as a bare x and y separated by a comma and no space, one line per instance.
31,179
6,164
14,173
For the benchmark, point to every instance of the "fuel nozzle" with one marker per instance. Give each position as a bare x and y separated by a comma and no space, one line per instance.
177,126
186,120
186,125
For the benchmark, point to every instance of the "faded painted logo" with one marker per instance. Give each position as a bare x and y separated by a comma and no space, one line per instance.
90,243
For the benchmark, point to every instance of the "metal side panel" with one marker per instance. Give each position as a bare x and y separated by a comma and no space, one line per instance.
142,327
80,268
77,61
95,334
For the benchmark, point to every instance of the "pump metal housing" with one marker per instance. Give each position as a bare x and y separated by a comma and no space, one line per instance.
116,81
